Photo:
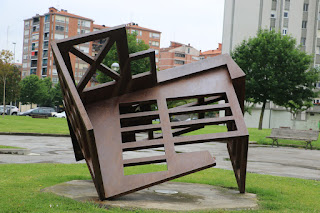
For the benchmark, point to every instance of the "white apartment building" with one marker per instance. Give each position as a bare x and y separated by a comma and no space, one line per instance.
297,18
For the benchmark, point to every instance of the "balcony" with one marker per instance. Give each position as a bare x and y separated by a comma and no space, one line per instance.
34,64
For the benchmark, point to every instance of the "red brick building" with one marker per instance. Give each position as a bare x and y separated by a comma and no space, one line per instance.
40,30
211,53
177,54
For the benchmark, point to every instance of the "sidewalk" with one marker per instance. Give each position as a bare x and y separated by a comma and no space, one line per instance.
282,161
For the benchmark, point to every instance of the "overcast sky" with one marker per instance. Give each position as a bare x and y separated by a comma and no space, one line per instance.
198,22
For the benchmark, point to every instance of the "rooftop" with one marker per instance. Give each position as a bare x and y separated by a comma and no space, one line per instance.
133,25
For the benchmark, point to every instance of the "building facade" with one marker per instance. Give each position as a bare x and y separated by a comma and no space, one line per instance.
297,18
149,36
40,30
211,53
177,54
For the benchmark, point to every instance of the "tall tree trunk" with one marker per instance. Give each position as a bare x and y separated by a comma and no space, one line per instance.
4,96
261,114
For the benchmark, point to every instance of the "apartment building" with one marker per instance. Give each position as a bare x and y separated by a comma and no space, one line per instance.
297,18
177,54
149,36
211,53
40,30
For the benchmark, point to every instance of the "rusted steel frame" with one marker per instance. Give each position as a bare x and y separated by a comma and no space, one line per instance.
103,68
68,84
93,67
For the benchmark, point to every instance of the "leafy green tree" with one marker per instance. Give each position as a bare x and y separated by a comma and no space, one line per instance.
276,70
137,66
12,89
57,95
46,86
6,69
32,90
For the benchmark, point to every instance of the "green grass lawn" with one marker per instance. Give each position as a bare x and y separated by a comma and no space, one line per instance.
10,147
33,125
59,126
20,186
257,135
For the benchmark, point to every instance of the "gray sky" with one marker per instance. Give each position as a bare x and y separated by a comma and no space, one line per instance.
186,21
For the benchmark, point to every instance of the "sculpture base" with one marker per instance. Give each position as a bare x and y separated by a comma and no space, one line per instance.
167,196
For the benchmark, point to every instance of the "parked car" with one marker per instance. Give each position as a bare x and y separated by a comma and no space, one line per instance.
12,110
38,111
59,115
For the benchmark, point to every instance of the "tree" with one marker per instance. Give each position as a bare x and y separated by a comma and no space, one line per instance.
32,90
6,68
276,70
12,89
137,66
57,95
295,108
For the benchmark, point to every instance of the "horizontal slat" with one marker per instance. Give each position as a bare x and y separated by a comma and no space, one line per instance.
206,121
130,146
141,128
139,114
220,137
146,160
197,109
141,54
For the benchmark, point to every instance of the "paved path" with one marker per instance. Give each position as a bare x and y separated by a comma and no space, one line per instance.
290,162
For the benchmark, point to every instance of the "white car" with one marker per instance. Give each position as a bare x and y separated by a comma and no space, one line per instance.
59,115
12,110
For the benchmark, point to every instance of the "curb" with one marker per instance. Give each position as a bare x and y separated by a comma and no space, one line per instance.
15,151
34,134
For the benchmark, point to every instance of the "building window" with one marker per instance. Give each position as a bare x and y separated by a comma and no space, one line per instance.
35,37
154,35
59,28
47,18
178,62
157,60
154,43
44,62
303,41
44,71
24,65
35,28
305,7
45,44
156,52
34,46
45,53
46,36
181,55
286,14
33,71
60,19
46,27
284,31
34,63
304,24
273,14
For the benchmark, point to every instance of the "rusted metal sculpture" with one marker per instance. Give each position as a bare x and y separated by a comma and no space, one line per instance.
103,120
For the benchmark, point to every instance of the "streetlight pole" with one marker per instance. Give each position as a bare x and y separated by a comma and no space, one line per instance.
14,52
